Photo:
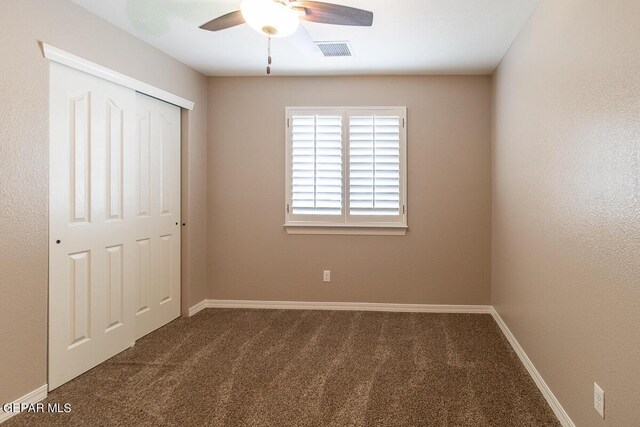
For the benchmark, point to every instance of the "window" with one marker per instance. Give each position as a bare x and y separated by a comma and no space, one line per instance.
346,170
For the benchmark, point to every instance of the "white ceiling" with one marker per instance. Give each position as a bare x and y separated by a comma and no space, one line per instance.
407,37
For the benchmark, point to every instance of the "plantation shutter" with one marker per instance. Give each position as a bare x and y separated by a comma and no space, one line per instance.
374,164
316,164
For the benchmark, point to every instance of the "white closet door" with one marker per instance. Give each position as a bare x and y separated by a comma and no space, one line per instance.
92,218
157,229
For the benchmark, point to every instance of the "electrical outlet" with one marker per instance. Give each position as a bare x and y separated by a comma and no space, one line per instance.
326,276
598,399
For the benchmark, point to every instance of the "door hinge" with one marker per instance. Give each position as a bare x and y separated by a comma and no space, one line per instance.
287,207
288,123
403,122
404,210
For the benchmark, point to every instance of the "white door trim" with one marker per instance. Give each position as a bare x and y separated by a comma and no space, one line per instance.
70,60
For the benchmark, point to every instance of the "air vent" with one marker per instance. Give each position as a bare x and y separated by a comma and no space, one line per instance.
334,49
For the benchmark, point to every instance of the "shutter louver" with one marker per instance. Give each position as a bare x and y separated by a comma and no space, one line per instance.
374,165
316,165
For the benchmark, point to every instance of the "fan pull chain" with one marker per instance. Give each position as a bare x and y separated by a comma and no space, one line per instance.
269,54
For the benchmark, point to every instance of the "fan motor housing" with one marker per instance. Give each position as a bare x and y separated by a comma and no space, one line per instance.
269,30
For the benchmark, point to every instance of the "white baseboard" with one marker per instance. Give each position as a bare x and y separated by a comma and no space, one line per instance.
350,306
32,397
198,307
553,402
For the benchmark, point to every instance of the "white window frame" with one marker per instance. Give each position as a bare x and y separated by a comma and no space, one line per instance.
346,223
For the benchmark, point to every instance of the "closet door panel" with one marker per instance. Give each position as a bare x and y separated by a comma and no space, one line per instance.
91,224
158,213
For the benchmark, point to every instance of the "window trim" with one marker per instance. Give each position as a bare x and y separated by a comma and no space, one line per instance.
340,224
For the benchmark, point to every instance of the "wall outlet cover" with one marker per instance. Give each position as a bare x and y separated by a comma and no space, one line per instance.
598,399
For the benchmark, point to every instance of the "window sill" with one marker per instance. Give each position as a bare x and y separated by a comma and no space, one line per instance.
353,230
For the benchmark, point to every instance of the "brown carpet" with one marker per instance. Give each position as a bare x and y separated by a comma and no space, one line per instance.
308,368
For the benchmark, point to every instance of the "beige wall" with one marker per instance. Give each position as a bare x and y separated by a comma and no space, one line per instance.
445,256
24,166
566,202
566,184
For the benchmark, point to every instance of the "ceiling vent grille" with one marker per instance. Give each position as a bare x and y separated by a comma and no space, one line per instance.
335,49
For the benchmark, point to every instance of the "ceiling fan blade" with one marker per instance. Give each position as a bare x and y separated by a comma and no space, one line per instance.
327,13
223,22
303,41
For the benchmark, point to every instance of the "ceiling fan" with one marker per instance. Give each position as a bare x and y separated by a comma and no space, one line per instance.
281,18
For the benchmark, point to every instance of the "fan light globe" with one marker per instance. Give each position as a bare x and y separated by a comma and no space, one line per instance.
270,17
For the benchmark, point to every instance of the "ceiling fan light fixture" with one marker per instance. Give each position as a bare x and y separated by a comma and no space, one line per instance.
271,18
